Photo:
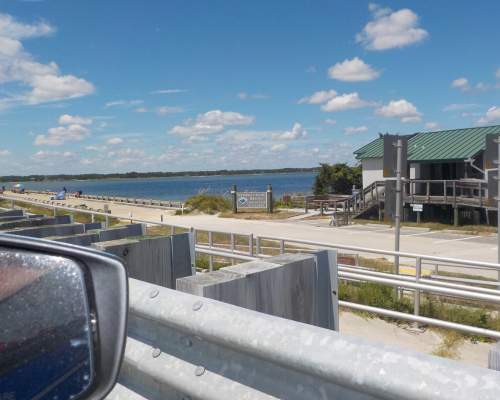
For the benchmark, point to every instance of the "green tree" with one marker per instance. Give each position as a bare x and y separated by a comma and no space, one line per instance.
337,178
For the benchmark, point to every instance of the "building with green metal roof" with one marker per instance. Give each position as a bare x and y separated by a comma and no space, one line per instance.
440,155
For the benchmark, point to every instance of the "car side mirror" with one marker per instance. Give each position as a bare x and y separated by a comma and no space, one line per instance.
63,317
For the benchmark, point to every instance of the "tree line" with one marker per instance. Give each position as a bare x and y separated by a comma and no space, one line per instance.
337,179
133,174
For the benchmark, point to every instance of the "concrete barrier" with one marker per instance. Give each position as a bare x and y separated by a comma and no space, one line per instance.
152,259
82,239
12,213
292,286
32,222
122,232
182,346
49,230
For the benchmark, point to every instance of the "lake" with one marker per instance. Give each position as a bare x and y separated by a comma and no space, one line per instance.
180,188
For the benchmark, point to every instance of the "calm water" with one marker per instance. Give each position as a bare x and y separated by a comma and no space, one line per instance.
180,188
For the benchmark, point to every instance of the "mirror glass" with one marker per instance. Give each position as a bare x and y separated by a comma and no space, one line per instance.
45,328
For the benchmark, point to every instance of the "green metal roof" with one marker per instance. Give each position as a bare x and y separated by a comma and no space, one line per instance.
453,144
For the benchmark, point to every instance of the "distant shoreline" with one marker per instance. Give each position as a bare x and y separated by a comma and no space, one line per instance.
142,175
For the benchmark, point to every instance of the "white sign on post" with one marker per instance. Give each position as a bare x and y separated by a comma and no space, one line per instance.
417,207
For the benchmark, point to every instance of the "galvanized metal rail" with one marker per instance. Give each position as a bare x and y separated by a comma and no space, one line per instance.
413,284
182,346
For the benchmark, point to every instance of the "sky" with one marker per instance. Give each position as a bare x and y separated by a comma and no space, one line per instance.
177,85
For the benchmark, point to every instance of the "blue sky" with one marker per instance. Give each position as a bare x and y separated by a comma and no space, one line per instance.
106,86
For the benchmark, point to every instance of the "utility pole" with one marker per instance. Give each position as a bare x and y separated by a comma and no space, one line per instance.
397,215
498,200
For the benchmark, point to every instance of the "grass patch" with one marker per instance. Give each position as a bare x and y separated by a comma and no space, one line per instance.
450,343
432,306
208,204
48,211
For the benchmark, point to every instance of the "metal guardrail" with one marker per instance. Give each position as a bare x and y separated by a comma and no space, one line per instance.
182,346
413,284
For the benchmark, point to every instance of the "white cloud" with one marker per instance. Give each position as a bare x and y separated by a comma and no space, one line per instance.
211,122
18,66
256,96
390,29
168,91
458,107
43,154
72,128
114,140
4,152
354,70
9,27
278,147
432,126
330,121
319,97
351,130
164,110
345,101
491,116
402,109
461,83
67,119
296,132
123,103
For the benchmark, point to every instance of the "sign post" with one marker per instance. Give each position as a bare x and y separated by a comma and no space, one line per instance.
397,216
394,165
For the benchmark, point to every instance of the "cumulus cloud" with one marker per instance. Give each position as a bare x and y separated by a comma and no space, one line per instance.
296,132
72,128
319,97
391,29
402,109
278,147
491,116
354,70
330,121
461,83
211,122
18,66
432,126
114,140
352,130
344,102
67,119
44,155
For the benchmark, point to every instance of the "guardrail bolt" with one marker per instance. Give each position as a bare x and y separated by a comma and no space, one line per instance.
156,352
199,371
187,342
197,305
153,293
